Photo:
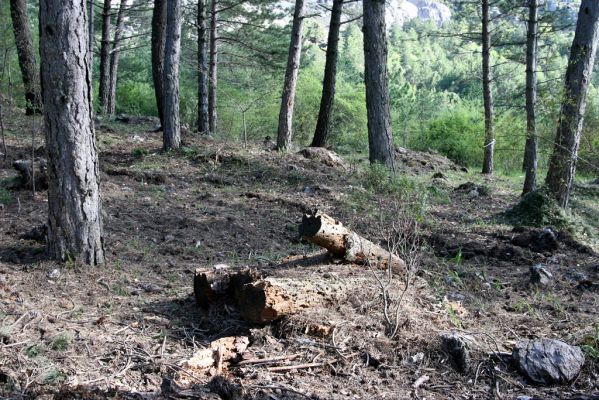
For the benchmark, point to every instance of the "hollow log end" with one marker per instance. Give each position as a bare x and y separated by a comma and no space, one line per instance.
252,303
202,290
311,224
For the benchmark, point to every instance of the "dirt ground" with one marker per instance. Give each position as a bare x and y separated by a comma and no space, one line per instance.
121,331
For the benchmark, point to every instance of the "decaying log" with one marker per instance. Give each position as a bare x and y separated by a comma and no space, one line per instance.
270,299
325,231
220,284
263,300
23,167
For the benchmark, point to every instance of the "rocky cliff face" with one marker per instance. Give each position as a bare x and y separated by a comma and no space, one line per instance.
401,11
398,11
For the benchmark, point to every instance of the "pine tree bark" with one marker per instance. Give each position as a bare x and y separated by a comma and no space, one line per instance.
90,25
323,125
562,166
380,136
105,58
158,41
203,120
171,130
74,206
487,92
114,57
26,54
213,71
285,129
530,149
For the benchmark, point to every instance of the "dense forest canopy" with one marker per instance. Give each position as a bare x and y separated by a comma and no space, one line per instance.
434,76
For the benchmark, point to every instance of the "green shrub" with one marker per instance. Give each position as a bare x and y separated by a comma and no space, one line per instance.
136,98
457,134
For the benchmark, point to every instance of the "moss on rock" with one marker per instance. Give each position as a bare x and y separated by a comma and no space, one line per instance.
538,209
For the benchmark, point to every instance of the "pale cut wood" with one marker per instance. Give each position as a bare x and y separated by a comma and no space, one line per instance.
325,231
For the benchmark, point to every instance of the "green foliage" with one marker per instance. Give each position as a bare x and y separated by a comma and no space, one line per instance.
6,197
135,97
590,345
34,350
54,376
61,342
457,134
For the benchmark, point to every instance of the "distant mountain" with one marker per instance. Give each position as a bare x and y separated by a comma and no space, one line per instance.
401,11
425,10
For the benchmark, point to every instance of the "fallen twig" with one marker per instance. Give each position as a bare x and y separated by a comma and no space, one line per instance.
268,360
299,366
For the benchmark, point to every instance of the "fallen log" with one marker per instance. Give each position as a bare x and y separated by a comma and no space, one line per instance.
271,299
325,231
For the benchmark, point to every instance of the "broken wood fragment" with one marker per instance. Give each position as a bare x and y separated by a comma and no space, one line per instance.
325,231
211,361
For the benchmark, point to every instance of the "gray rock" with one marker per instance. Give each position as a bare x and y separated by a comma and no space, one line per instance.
548,361
539,275
455,345
54,274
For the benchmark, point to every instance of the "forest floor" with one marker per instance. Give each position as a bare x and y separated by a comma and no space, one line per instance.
122,330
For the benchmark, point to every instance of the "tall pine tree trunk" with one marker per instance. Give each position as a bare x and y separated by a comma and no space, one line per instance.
562,166
105,58
487,93
171,130
380,136
74,207
323,125
213,72
530,150
114,57
285,130
203,120
90,25
158,40
24,44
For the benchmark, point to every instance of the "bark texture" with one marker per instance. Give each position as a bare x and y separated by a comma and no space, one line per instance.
530,149
487,93
114,57
26,54
105,58
171,130
74,207
323,125
380,136
213,72
562,166
158,41
285,129
90,25
203,120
